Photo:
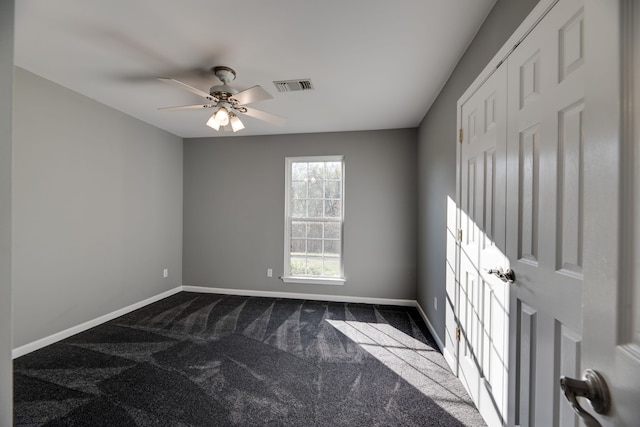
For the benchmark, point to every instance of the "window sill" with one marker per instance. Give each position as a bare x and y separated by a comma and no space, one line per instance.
313,280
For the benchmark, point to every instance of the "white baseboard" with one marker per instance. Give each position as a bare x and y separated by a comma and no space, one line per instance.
292,295
430,327
43,342
51,339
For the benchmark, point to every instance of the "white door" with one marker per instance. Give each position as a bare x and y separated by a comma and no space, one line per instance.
545,214
482,307
612,206
572,219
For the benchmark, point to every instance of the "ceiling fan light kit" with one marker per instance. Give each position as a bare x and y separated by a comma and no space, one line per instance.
236,124
222,116
227,101
213,123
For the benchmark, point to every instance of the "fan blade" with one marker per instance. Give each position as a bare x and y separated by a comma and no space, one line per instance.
251,95
187,107
267,117
189,88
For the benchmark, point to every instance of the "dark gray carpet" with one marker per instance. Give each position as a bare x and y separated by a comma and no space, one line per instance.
216,360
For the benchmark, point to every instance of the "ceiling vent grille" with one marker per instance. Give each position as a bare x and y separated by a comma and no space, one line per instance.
293,85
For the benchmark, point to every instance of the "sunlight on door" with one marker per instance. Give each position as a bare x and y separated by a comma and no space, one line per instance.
477,302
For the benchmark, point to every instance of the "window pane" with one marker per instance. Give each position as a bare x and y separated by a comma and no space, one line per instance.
316,190
332,190
298,266
299,189
299,208
314,246
315,230
315,208
332,267
298,246
314,266
298,229
332,208
299,172
332,247
316,172
334,170
332,230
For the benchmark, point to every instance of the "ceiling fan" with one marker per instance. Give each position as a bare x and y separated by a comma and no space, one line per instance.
227,102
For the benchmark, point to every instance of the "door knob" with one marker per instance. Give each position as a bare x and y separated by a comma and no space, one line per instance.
508,276
592,387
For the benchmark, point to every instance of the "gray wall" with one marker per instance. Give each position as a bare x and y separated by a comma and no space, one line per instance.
437,154
234,211
97,209
6,87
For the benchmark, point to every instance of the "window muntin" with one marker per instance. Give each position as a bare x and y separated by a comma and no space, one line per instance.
314,219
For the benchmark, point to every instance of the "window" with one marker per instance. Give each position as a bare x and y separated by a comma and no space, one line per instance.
314,216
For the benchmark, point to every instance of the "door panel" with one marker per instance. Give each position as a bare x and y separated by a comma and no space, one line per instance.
570,191
482,308
612,205
526,363
450,350
528,194
570,349
545,212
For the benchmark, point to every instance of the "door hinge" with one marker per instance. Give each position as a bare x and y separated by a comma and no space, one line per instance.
460,135
458,334
459,234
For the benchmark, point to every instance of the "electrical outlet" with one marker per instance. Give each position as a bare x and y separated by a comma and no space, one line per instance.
269,272
435,303
165,273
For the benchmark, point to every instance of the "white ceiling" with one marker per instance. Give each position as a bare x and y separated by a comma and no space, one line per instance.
374,64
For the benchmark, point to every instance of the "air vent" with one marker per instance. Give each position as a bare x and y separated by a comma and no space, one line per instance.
293,85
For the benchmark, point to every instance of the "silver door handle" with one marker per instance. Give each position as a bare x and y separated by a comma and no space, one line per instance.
508,276
592,387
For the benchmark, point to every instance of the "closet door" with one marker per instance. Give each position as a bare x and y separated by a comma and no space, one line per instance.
545,204
482,297
611,298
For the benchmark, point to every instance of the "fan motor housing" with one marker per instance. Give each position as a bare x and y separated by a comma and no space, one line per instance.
225,74
222,91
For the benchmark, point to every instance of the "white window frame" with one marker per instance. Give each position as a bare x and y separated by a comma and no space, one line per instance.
318,280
